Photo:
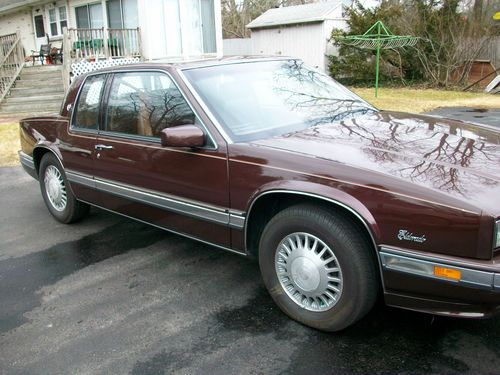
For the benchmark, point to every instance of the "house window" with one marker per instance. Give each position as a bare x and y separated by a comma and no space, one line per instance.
57,20
89,16
183,27
122,14
197,22
53,22
208,25
63,19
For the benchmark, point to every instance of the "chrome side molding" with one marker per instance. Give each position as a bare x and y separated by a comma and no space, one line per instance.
80,179
236,219
218,215
26,160
496,281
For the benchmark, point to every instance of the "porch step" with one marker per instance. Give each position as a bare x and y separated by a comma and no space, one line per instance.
42,74
31,91
38,82
33,99
37,89
49,106
39,68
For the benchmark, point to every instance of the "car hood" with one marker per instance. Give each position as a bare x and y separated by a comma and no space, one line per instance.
452,157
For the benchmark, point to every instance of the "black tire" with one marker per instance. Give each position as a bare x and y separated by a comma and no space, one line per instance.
360,280
73,210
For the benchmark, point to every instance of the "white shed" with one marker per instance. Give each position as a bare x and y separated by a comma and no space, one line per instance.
301,31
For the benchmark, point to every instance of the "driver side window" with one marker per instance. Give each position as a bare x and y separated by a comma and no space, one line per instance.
144,103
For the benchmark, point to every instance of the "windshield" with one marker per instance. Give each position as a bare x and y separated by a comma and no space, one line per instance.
258,100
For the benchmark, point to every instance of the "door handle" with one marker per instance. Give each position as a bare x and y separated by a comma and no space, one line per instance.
103,147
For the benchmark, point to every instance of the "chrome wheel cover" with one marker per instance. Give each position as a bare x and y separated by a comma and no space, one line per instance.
308,271
55,188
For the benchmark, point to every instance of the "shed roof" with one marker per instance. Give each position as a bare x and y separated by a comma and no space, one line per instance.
315,12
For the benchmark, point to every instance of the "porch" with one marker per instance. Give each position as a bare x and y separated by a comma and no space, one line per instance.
97,44
23,86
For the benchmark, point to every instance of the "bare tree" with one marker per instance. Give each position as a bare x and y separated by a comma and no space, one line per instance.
452,32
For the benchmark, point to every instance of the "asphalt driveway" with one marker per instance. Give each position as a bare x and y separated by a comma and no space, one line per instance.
110,295
475,115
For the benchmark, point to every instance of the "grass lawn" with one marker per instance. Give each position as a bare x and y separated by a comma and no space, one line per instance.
9,144
416,101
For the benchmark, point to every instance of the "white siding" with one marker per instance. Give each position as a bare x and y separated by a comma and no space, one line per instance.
237,47
328,27
305,41
19,21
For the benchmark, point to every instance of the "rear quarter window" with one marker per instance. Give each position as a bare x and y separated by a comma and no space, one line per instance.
87,107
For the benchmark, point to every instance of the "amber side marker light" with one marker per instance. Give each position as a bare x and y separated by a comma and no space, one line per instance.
447,273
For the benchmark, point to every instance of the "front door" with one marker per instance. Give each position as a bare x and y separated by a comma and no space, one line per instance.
181,189
39,26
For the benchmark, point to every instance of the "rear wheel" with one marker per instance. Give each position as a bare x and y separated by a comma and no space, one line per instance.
56,193
318,267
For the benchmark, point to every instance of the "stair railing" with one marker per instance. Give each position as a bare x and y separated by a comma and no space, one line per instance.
67,59
11,62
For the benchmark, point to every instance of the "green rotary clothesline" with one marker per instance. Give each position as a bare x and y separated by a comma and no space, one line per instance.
378,37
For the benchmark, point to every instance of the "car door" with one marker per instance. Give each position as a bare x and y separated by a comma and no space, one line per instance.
181,189
78,146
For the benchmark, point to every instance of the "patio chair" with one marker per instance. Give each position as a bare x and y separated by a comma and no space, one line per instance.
42,54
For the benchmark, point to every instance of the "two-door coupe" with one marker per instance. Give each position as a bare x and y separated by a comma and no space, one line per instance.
340,202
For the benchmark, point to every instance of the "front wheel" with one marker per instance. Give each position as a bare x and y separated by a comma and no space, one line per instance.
56,193
318,267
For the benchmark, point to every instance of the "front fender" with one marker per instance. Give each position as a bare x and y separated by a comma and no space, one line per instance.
321,192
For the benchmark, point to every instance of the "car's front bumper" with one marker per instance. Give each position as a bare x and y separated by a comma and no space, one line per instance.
410,283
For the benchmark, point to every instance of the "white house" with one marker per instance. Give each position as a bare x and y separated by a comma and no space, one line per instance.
164,29
301,31
90,34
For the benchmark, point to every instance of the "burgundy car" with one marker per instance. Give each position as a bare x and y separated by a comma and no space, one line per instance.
340,202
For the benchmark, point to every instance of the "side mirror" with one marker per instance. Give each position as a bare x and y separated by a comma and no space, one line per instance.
182,136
